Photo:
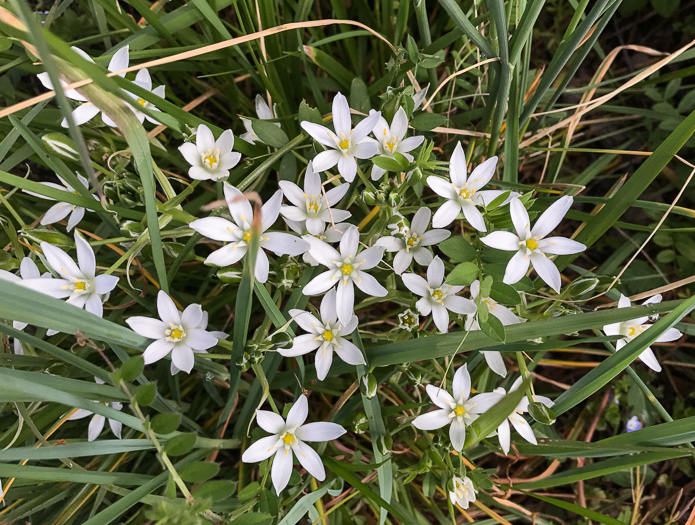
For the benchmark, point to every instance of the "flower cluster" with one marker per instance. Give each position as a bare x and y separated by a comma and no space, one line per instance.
314,225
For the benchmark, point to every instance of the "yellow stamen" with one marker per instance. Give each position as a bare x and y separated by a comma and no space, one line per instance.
346,269
344,144
210,160
176,333
247,236
532,244
437,295
411,242
459,411
142,102
466,193
288,439
80,285
327,335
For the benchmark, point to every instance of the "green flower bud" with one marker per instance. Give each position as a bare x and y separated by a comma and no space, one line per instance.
60,145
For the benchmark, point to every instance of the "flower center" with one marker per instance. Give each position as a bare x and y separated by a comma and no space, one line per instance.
211,158
247,236
636,330
346,269
459,411
313,205
175,333
142,102
438,295
81,287
532,244
392,144
288,439
466,193
327,335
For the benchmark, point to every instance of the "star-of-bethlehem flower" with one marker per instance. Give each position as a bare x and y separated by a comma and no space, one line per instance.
506,317
437,297
515,418
175,332
143,80
531,245
325,336
330,234
310,205
76,282
464,492
27,270
411,242
463,193
390,139
288,439
264,113
237,233
634,327
210,159
59,211
96,425
202,326
346,144
87,111
458,410
346,269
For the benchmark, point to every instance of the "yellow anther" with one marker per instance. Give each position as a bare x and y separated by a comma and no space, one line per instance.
142,102
466,193
210,160
411,242
346,269
437,295
344,144
80,285
247,236
313,206
288,439
327,335
532,244
459,411
176,333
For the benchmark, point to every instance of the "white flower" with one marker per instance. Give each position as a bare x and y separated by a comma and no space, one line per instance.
143,80
59,211
237,233
412,242
506,317
264,113
77,282
437,297
27,270
330,234
462,192
458,410
289,437
530,244
345,270
515,418
310,205
96,425
464,492
634,327
85,112
347,144
325,336
181,333
202,326
408,320
210,159
390,139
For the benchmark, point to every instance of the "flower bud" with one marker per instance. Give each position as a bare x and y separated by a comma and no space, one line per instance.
368,386
369,198
395,200
60,145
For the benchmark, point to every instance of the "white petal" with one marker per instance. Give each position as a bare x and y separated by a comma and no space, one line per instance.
227,255
303,344
119,61
350,242
284,243
459,305
320,283
322,252
183,358
457,166
441,187
410,143
316,432
672,334
516,268
328,308
334,195
439,396
28,269
192,316
560,246
260,450
502,241
523,428
84,113
435,273
238,204
365,127
147,326
85,256
116,427
225,142
474,217
200,339
551,217
298,413
370,257
504,435
348,352
649,359
94,305
546,270
432,420
167,309
320,134
270,421
440,315
421,220
324,358
496,363
281,470
457,434
326,159
96,425
522,223
60,261
483,173
56,213
306,320
309,459
80,413
75,218
345,301
399,124
446,214
422,255
402,260
369,285
270,210
262,267
293,193
157,350
461,386
347,166
415,284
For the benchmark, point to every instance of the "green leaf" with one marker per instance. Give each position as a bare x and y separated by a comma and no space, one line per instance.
199,472
132,368
180,444
388,163
217,490
269,133
504,294
427,121
487,423
165,423
145,394
463,274
309,114
576,509
461,20
359,96
541,413
493,328
458,249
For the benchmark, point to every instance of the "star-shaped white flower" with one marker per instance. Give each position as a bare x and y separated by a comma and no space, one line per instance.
347,144
346,269
325,336
87,111
516,418
310,205
288,438
210,159
437,297
202,326
411,243
179,333
531,245
77,282
390,139
96,425
264,113
59,211
237,233
459,410
330,234
506,317
143,80
634,327
464,492
463,193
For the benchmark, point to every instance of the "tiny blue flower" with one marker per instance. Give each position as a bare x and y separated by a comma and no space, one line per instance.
633,424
